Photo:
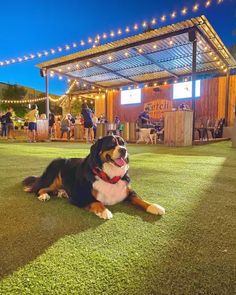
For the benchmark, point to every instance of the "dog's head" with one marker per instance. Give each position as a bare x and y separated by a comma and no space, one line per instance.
109,149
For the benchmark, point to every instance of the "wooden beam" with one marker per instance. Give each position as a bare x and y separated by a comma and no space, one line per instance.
122,47
212,46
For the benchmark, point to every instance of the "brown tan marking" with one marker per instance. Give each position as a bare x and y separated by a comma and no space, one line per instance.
135,200
57,184
105,153
96,207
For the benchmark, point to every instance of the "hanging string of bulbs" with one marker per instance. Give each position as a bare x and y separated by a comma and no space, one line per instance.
93,42
24,101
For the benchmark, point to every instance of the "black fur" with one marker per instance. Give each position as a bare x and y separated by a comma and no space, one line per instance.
76,173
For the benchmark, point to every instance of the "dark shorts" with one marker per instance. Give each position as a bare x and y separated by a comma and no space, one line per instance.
9,126
88,124
32,126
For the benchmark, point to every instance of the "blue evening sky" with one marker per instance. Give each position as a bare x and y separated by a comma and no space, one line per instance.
29,26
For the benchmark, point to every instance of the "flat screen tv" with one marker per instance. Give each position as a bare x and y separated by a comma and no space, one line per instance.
131,96
184,90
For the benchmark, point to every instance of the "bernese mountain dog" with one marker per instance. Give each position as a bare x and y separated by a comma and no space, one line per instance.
93,182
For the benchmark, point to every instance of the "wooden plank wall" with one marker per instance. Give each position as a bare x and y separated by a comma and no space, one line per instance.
232,100
100,106
211,104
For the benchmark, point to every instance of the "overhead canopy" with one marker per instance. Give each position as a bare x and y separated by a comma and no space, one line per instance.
160,54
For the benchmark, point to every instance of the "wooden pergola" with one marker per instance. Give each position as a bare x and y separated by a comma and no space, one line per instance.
188,48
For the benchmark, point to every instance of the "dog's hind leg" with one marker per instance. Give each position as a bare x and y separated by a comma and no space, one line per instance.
56,185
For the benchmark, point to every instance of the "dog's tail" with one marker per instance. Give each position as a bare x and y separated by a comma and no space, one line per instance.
29,183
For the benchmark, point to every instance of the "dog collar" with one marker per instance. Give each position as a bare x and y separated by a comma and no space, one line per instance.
101,174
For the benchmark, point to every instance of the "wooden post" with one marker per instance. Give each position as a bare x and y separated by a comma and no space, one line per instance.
227,98
193,39
47,95
106,113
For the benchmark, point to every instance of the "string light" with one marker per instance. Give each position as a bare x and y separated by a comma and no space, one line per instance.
112,34
208,3
24,101
195,7
163,18
153,21
184,11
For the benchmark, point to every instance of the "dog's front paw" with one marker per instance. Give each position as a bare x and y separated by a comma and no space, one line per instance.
156,209
44,197
106,214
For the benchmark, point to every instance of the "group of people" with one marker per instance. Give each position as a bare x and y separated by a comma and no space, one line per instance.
7,123
66,124
87,119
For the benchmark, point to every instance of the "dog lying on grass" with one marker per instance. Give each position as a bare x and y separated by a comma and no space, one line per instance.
93,182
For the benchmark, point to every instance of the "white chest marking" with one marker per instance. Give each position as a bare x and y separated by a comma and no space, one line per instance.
110,194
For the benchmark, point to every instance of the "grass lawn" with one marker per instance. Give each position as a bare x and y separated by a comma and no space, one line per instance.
57,248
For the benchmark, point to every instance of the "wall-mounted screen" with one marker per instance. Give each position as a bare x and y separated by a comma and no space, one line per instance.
184,90
131,96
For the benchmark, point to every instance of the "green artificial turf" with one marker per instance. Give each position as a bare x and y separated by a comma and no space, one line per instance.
57,248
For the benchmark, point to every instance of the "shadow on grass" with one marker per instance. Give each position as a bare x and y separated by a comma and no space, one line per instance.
200,256
28,227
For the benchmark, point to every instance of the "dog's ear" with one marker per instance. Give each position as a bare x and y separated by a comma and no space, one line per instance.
94,158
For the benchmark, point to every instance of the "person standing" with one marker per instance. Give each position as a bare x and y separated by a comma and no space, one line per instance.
72,125
9,123
88,122
95,122
3,125
51,125
32,119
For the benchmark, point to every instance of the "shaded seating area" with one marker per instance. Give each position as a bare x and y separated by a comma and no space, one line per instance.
153,62
209,129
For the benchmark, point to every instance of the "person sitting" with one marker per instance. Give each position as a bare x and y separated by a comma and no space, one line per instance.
144,119
118,125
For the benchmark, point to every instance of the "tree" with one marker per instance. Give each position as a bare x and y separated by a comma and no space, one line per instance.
15,92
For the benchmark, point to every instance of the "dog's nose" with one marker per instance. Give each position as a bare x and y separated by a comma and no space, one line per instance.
122,151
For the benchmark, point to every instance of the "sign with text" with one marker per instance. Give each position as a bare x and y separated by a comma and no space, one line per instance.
158,106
